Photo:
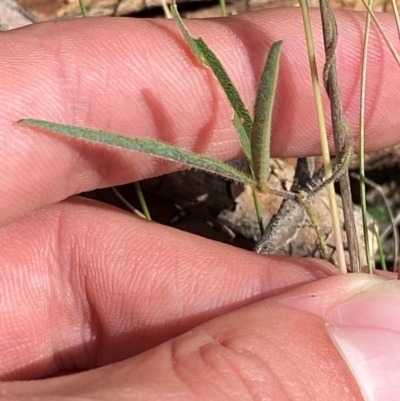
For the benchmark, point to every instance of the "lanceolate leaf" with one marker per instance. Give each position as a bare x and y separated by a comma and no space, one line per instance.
151,147
208,57
261,131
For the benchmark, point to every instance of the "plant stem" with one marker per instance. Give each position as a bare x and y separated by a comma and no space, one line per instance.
362,143
258,210
127,204
341,132
142,200
323,136
83,8
222,5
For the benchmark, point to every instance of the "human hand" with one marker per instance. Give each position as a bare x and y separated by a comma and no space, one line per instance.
84,285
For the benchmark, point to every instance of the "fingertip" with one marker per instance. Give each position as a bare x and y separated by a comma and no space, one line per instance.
365,328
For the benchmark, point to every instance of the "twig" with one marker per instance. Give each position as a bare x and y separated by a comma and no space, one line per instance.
285,225
341,130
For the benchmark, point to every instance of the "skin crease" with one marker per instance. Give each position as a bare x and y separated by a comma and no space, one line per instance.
84,285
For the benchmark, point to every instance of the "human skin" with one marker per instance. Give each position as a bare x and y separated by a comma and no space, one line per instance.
141,310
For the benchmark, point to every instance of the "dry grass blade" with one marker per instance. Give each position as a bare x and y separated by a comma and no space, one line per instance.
363,196
382,32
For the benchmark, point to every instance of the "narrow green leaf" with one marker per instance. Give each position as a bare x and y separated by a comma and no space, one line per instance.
208,58
151,147
261,131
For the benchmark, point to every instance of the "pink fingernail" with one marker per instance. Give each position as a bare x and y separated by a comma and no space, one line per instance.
366,330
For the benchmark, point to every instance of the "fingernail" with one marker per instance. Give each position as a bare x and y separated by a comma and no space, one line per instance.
366,330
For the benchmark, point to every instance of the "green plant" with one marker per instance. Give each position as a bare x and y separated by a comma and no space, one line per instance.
254,136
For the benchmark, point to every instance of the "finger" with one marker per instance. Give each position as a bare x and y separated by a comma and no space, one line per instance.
139,78
84,285
328,340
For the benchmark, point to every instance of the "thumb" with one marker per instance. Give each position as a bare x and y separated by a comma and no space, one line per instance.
328,340
365,329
